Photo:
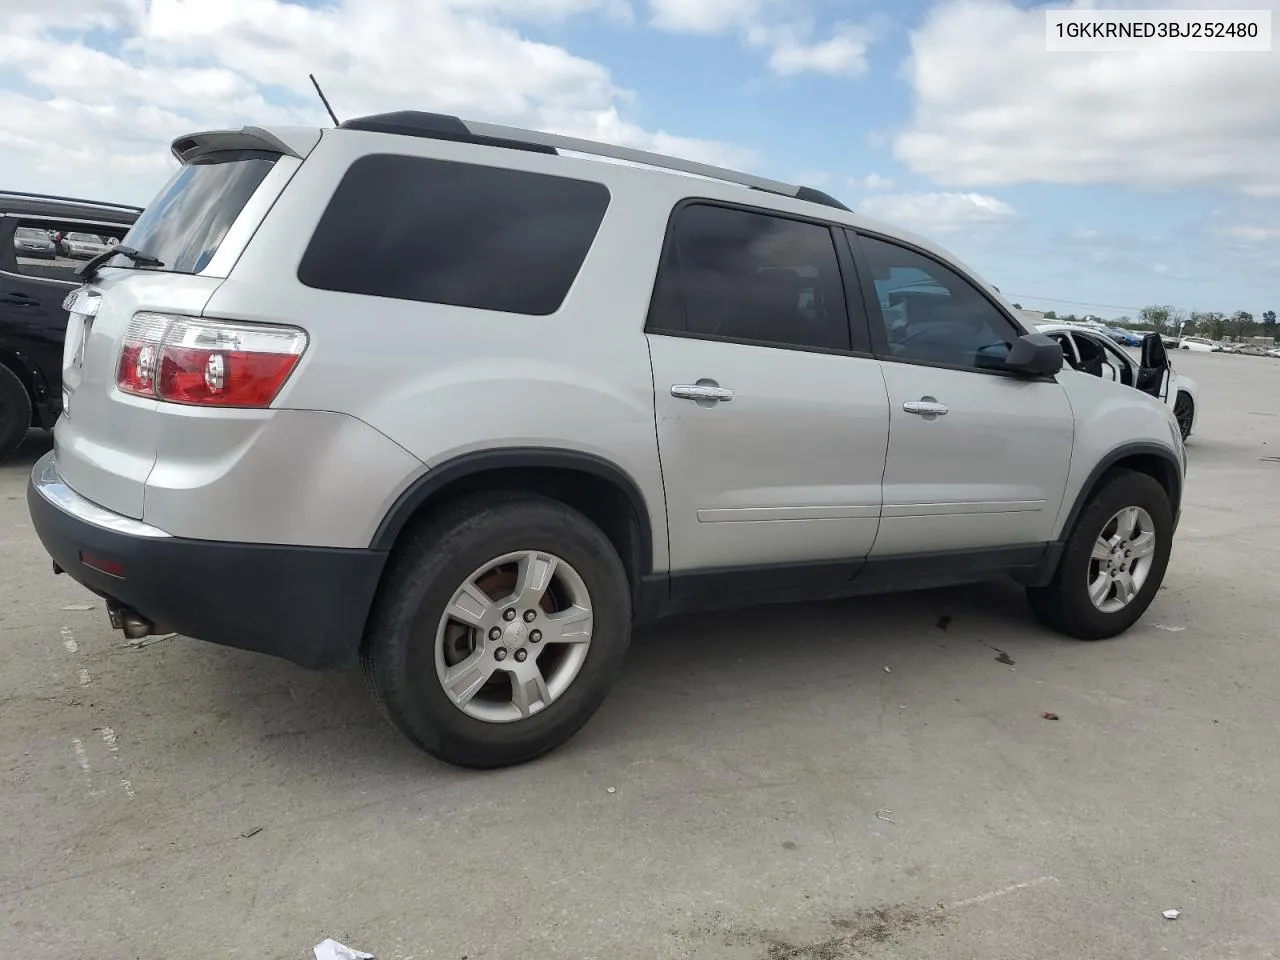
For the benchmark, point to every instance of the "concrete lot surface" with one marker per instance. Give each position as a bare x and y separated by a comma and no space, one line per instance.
185,801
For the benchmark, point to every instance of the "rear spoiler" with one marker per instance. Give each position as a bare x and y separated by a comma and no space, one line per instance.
289,141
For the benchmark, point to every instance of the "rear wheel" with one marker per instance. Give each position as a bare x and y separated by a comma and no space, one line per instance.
15,413
1184,411
1114,561
502,626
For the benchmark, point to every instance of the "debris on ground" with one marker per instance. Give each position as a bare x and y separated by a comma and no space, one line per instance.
1004,658
943,621
78,606
1049,715
147,641
251,833
1172,914
1165,626
613,789
887,670
333,950
884,815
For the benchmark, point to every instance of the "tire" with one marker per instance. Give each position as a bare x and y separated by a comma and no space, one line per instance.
1065,604
407,641
15,413
1184,409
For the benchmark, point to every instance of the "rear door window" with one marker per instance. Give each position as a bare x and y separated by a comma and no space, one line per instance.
750,277
53,248
466,235
187,221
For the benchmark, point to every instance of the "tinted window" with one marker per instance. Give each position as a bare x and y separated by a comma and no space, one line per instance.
932,314
184,225
53,249
750,276
453,233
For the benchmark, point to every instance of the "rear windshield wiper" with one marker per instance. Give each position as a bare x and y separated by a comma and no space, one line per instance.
90,269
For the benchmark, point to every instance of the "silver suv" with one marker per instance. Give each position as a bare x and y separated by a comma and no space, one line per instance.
464,403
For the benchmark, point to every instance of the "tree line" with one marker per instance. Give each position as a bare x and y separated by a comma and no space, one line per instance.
1164,319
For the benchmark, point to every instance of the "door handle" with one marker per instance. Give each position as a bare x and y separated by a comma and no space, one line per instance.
927,407
704,391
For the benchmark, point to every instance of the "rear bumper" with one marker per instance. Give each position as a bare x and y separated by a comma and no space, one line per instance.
307,605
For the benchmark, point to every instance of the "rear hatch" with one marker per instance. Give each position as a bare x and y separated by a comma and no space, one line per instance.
106,440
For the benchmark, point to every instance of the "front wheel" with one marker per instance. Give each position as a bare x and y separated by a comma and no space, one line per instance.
502,626
1114,561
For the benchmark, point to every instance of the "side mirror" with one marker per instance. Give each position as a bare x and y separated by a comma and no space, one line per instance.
1034,354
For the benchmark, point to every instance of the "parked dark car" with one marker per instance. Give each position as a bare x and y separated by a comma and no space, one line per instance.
35,278
34,243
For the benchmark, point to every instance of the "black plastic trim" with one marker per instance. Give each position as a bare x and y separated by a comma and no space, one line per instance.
506,458
307,605
436,126
730,587
854,300
1136,448
814,195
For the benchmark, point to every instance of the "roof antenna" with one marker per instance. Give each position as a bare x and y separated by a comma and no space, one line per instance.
323,99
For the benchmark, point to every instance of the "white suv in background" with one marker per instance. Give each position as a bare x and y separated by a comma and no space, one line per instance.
433,395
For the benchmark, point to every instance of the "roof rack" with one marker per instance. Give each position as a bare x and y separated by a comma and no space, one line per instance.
440,126
56,199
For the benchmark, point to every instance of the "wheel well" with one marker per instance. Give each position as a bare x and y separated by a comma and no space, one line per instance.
1157,468
27,377
602,501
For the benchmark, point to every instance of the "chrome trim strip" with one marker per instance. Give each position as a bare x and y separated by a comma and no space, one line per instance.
45,478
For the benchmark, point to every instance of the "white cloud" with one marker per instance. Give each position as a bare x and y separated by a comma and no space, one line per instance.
872,181
843,53
794,43
100,123
1248,233
993,107
705,16
928,213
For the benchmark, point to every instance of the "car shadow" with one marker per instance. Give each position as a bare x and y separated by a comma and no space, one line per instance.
35,446
680,677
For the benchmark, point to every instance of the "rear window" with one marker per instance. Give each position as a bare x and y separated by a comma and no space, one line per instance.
186,222
436,231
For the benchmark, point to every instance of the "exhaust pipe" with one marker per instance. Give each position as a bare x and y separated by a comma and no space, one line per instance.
136,627
133,624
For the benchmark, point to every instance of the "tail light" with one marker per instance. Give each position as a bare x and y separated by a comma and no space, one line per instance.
211,363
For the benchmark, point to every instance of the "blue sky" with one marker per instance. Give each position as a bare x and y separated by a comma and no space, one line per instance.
1104,181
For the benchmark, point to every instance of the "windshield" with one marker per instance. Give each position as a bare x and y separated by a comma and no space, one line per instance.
185,224
84,238
30,233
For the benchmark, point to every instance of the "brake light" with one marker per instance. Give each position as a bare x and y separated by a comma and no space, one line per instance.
213,363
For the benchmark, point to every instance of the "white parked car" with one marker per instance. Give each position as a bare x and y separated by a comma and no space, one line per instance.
1200,345
83,246
1089,351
